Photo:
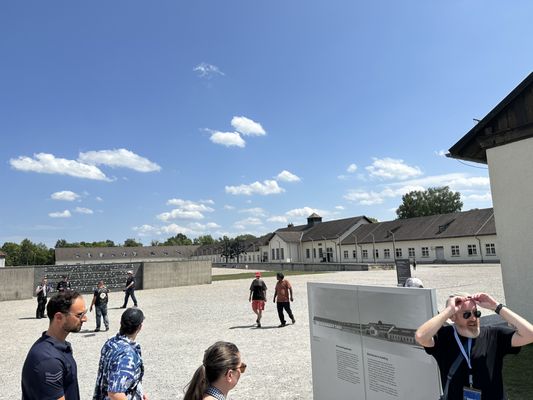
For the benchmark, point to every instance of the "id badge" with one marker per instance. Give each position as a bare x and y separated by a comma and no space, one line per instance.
471,394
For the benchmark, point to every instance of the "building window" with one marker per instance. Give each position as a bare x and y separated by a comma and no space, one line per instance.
425,251
89,255
490,249
411,251
386,253
282,250
376,253
277,253
354,253
314,253
472,250
320,253
365,253
77,256
398,252
455,251
307,253
152,253
273,254
123,254
134,254
345,254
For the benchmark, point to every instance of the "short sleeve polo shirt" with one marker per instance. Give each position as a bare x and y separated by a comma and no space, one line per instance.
50,371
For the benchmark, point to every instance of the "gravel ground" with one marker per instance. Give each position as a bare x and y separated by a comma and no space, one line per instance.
182,322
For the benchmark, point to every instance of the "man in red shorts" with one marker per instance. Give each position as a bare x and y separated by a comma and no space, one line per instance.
258,290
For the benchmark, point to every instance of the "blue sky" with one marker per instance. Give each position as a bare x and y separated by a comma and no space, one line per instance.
135,119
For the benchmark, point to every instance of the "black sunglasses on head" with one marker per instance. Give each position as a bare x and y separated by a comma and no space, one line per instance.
468,314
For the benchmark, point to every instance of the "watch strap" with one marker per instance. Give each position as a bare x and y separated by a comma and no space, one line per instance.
499,308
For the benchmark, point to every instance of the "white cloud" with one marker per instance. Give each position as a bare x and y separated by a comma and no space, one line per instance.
441,153
119,158
264,188
483,197
200,228
339,208
206,70
98,198
287,176
207,201
247,126
343,177
228,207
227,139
364,198
178,213
278,218
45,163
83,210
305,212
456,181
255,211
65,195
146,230
244,223
351,168
188,205
174,229
390,168
60,214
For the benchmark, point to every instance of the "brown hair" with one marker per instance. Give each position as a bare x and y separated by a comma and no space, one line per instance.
218,359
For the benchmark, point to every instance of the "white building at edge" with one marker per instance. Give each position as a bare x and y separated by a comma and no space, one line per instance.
503,139
2,259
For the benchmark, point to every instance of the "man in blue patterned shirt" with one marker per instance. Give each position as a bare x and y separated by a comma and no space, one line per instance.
121,369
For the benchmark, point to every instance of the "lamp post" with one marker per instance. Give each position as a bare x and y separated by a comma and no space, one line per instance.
373,246
393,245
355,241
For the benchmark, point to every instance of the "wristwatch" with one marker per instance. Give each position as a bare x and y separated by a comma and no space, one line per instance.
499,308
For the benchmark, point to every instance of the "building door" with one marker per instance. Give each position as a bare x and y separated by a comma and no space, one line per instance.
439,251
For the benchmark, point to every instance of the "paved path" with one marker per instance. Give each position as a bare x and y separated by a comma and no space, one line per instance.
182,322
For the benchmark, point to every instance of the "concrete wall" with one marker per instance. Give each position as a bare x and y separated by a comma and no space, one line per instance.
511,178
16,283
176,273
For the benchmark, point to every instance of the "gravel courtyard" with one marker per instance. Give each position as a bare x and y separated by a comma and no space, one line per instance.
182,322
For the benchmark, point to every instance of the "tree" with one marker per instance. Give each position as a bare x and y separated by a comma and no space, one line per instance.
132,243
179,240
28,253
438,200
204,239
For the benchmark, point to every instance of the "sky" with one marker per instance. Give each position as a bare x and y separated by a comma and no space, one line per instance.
134,119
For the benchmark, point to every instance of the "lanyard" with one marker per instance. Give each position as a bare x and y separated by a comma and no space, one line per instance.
467,357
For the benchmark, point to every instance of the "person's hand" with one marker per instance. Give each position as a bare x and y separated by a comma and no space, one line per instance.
485,300
145,397
455,303
91,309
292,299
273,301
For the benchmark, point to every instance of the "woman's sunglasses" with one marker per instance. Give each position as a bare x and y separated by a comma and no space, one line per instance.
468,314
242,368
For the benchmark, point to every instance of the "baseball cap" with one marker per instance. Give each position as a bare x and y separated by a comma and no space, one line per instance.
132,318
258,273
130,272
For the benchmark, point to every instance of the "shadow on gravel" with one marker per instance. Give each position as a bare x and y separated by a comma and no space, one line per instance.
32,318
242,327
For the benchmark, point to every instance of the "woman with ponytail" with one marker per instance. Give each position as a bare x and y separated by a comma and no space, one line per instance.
219,373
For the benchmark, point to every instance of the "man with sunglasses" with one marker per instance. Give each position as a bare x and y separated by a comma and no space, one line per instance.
50,371
470,356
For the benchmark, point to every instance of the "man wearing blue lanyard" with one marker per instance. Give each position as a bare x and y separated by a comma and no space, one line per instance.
470,357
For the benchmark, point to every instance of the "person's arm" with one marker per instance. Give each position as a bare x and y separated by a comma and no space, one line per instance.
524,329
290,291
92,303
424,334
250,297
38,289
275,293
117,396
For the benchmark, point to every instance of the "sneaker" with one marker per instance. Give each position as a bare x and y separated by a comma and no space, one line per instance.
123,307
282,325
293,320
257,321
106,328
97,330
259,324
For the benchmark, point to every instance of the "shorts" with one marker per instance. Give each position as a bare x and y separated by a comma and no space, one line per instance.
258,305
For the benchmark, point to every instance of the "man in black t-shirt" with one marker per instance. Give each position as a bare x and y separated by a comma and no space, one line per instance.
130,290
50,371
477,351
257,297
63,284
100,298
